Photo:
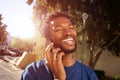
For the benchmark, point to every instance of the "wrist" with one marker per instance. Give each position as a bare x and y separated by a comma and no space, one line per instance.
61,78
56,78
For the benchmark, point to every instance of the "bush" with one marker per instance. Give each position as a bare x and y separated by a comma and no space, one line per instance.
100,74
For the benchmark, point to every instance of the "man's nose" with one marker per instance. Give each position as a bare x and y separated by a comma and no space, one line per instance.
66,32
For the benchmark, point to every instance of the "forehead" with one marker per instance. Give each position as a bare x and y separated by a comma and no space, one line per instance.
59,20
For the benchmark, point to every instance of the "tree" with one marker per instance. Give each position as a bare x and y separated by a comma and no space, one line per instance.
22,44
3,32
102,26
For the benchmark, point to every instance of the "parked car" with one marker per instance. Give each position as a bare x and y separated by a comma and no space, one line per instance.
3,47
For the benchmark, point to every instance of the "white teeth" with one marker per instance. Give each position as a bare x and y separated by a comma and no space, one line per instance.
69,39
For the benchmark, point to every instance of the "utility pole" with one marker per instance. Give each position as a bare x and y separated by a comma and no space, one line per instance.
84,18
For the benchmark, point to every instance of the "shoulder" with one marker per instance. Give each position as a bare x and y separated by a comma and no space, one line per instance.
80,71
82,66
35,65
87,70
33,69
37,71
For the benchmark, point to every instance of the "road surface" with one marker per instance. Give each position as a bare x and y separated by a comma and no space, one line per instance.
8,71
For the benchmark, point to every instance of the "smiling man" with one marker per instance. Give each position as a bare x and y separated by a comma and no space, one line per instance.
59,62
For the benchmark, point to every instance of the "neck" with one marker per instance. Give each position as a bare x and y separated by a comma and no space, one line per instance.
68,60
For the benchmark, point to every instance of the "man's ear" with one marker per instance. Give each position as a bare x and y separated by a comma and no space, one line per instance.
51,38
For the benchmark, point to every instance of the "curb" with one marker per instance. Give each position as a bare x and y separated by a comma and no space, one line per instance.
11,60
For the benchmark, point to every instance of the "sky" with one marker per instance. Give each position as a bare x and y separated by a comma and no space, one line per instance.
18,16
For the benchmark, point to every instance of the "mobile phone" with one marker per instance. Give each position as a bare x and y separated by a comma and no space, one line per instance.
52,50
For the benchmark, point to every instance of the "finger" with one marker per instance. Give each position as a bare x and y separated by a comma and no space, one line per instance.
49,47
54,55
48,52
59,62
60,55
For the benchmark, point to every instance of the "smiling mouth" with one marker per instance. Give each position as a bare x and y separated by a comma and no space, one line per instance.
68,41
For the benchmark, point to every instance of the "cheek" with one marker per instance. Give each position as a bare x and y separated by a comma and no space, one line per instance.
55,37
75,33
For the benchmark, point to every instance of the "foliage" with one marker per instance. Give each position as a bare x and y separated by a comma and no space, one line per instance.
3,32
117,77
102,26
22,44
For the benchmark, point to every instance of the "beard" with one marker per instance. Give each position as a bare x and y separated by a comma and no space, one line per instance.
66,51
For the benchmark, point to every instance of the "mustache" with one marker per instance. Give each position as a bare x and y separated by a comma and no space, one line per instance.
69,36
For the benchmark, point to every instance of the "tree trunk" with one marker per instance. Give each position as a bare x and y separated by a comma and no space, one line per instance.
95,57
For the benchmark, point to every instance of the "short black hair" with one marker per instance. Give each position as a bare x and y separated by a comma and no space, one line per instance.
46,25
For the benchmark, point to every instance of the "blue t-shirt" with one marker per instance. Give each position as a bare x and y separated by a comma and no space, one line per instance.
39,71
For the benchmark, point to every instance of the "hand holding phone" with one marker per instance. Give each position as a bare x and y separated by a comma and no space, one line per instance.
54,61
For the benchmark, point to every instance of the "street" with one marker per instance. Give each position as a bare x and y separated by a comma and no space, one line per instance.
9,71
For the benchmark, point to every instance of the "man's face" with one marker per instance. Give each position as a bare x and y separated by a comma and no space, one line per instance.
63,34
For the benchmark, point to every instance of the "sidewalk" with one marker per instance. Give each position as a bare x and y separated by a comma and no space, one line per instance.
12,61
9,59
20,61
8,71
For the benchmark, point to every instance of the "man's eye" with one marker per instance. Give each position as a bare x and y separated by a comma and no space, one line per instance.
57,30
70,24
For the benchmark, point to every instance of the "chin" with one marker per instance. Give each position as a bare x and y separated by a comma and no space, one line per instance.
68,51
